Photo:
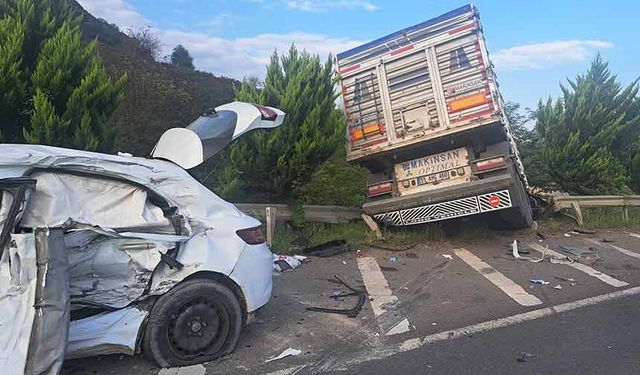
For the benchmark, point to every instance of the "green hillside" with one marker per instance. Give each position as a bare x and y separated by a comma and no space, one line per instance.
158,96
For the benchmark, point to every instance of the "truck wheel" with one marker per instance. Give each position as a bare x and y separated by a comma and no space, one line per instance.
197,321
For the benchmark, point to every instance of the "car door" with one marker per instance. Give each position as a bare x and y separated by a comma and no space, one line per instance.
34,295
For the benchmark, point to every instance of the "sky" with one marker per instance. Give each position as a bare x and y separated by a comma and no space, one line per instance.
534,45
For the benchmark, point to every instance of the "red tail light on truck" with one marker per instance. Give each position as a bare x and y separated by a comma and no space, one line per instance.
380,189
492,164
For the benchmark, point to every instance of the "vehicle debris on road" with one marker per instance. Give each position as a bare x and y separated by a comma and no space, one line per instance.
285,353
539,282
351,313
448,256
583,231
524,356
328,249
284,263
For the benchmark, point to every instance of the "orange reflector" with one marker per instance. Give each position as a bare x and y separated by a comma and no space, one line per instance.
370,128
468,102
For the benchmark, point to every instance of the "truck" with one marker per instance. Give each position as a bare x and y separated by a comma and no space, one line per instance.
428,122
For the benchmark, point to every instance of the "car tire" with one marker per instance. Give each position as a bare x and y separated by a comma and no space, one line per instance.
197,321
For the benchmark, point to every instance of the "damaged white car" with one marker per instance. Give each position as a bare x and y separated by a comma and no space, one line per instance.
104,254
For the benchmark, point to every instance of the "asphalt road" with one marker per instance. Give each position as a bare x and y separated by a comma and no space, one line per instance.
469,307
600,339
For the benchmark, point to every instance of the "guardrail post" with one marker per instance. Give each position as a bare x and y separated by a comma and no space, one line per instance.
576,208
625,213
271,224
372,225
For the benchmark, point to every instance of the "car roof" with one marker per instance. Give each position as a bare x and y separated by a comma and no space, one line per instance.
168,180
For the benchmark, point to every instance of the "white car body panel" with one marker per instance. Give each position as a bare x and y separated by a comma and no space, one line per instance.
18,288
114,332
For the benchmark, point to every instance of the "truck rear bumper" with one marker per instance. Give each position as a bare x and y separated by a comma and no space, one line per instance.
465,199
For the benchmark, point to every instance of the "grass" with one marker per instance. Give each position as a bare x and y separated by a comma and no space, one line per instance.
290,240
594,218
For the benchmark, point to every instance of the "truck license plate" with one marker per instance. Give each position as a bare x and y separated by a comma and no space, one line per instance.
433,178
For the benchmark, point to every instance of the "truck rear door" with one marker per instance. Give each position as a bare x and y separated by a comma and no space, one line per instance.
410,88
363,104
465,83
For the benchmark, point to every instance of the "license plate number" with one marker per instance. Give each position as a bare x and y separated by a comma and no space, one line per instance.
433,178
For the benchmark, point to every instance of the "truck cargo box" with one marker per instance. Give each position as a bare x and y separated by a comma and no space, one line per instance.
423,82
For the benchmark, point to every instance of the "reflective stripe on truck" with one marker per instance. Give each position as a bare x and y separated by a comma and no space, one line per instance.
476,204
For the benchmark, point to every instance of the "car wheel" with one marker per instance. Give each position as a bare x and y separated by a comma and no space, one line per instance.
197,321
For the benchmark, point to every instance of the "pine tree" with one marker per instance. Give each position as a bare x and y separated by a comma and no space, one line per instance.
530,145
54,89
269,165
181,57
592,134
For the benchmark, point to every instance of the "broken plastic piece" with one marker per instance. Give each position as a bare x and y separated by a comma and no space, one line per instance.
539,282
559,287
285,353
328,249
283,263
524,356
514,249
448,256
583,231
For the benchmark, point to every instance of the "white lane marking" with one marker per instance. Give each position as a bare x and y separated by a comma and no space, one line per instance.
513,290
187,370
389,312
288,371
634,235
336,364
582,267
623,251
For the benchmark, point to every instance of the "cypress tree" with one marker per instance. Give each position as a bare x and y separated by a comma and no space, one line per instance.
54,89
592,133
269,165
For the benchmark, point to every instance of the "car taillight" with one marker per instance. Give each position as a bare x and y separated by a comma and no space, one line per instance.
490,164
379,189
267,113
252,236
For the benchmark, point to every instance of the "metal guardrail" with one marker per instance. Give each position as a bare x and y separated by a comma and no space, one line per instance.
271,213
322,214
578,201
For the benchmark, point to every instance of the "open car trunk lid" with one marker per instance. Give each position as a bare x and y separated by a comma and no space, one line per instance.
210,133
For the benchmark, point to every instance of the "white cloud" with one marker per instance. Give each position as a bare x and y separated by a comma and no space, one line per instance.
116,11
235,58
244,57
540,55
326,5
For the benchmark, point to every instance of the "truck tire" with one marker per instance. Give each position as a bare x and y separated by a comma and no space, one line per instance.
197,321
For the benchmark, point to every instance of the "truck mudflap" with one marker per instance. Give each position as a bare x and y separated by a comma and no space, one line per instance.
472,205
